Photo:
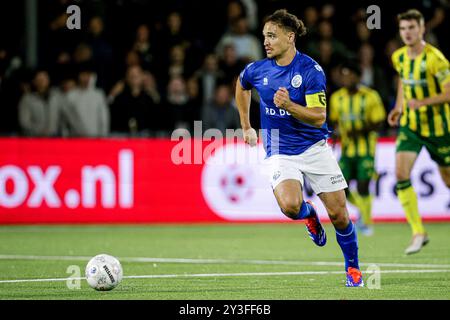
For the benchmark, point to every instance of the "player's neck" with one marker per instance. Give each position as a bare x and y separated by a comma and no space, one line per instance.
286,58
353,89
416,49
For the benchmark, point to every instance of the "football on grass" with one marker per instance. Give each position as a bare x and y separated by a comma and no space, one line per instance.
104,272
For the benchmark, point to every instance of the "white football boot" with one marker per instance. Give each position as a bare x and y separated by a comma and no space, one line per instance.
418,241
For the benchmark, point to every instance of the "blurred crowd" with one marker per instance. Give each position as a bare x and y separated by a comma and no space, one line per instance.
140,69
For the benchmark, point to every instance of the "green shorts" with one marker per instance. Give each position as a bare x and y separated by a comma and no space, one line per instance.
438,147
357,168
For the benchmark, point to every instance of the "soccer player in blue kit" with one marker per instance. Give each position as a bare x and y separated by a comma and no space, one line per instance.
291,86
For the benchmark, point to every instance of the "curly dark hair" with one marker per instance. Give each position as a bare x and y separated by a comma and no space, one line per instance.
288,21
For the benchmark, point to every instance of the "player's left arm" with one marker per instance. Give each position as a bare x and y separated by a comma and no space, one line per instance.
315,111
314,116
441,98
441,71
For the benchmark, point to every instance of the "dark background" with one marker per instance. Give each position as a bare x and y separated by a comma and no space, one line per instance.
203,25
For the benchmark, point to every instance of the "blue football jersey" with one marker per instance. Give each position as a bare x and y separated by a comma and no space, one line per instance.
306,83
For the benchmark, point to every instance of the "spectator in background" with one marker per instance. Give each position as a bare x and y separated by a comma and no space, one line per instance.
174,34
132,59
177,104
82,57
144,48
220,113
325,34
161,42
209,75
61,66
8,64
327,12
83,54
248,47
131,112
362,32
3,67
177,34
329,61
241,8
10,91
59,37
43,112
372,75
435,21
68,83
35,109
101,52
251,12
177,63
194,105
230,64
311,19
235,9
89,105
151,87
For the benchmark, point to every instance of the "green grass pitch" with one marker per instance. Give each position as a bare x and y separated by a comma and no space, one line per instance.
230,262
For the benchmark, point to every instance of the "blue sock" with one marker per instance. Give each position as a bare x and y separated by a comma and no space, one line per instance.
348,241
305,211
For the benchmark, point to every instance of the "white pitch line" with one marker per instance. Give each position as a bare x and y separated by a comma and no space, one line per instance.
223,275
40,280
221,261
294,273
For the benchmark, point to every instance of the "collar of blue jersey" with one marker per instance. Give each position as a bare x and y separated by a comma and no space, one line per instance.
297,55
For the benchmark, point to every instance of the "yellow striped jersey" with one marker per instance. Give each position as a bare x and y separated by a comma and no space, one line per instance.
355,111
423,77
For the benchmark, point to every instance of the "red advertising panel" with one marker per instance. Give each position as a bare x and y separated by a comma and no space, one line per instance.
160,181
95,181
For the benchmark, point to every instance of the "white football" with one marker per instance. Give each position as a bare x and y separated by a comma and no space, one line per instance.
104,272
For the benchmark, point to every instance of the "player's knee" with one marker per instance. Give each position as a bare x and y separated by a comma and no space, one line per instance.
340,219
291,208
338,213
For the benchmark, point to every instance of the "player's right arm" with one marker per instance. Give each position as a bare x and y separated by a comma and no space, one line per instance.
243,100
395,114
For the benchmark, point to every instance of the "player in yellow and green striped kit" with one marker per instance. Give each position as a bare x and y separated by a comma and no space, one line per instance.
423,110
356,112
